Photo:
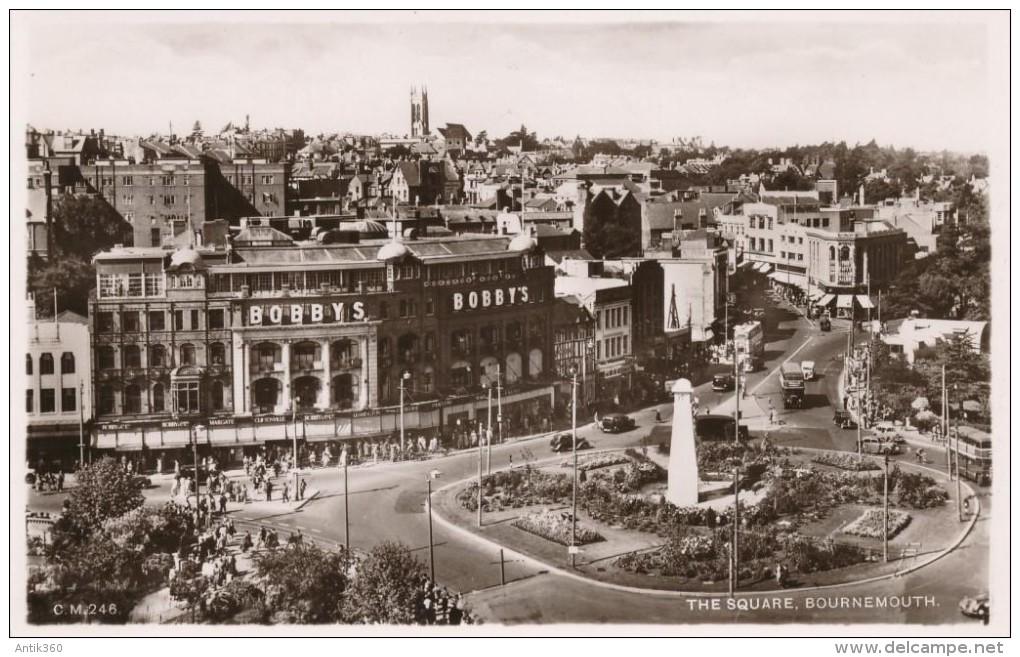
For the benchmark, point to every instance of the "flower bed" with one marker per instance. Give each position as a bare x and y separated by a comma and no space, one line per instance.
596,461
845,461
556,527
513,489
869,524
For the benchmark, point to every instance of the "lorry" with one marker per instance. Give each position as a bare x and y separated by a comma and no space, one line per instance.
749,345
791,378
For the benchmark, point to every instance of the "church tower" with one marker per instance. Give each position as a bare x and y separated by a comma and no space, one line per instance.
419,112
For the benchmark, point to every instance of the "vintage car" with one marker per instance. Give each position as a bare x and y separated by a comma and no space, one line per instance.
616,422
561,442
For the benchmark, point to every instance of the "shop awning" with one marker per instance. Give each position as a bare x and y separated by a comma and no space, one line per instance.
762,266
826,299
789,278
844,301
865,301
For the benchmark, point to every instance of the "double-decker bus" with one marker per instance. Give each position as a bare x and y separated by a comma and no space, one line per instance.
975,453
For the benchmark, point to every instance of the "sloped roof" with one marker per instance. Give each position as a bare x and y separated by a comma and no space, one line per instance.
261,235
410,172
455,131
559,255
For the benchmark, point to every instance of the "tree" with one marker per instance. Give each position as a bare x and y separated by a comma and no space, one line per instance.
84,225
519,138
72,277
104,490
386,587
149,529
190,586
481,138
304,583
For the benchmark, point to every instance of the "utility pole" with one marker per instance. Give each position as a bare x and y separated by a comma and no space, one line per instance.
432,555
403,377
573,434
956,452
736,389
734,544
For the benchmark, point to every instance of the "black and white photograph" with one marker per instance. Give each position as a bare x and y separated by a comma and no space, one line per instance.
475,324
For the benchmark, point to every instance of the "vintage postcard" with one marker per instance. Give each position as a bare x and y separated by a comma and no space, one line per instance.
495,324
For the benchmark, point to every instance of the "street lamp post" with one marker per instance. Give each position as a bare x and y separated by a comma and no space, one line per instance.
347,511
885,511
81,423
293,417
403,379
432,474
734,544
956,457
736,389
198,477
573,432
499,400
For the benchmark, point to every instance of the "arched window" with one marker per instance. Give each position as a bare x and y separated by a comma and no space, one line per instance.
187,354
105,357
217,353
157,356
303,356
132,356
46,364
28,363
67,363
158,398
132,399
832,253
264,356
217,396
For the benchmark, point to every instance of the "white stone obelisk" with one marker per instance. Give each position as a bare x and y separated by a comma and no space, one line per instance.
682,489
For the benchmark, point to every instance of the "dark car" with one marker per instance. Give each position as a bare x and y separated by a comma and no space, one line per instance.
722,382
189,472
143,481
717,427
844,420
758,313
561,443
617,422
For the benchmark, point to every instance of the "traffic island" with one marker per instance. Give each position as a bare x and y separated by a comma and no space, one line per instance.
815,516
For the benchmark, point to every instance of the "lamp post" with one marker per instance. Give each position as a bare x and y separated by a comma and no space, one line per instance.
347,509
573,435
293,418
734,543
432,474
956,456
403,379
488,429
499,400
736,390
81,422
885,510
193,428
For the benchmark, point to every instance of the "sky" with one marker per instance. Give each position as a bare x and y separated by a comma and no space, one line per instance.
752,84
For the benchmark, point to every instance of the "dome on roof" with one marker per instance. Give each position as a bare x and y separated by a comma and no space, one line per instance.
523,242
186,256
392,251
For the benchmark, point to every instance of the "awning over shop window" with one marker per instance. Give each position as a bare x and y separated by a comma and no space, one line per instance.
844,301
789,278
826,300
865,302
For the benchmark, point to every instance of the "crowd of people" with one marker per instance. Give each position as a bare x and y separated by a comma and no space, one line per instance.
435,605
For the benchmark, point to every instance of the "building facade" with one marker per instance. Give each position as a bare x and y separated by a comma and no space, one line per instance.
58,397
278,339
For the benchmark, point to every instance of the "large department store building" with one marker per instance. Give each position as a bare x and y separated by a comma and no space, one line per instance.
267,339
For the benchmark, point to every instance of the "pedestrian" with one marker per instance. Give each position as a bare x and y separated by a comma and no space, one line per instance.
301,489
223,503
286,492
269,491
772,416
60,481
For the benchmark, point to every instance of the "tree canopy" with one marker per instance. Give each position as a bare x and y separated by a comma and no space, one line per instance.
103,490
304,583
385,587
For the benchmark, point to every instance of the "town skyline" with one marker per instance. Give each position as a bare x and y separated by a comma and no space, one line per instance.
560,73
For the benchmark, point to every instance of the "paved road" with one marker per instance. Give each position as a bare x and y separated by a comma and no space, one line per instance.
387,503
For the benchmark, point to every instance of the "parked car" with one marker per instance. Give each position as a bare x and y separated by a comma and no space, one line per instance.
844,420
888,432
872,445
758,313
617,422
722,382
561,442
977,606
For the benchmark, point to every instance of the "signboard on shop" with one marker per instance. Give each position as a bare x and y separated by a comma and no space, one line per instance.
496,298
306,313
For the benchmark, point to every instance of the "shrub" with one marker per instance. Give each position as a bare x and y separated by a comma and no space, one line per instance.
918,490
845,461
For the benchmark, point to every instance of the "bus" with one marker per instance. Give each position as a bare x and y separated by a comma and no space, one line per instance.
749,344
975,453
